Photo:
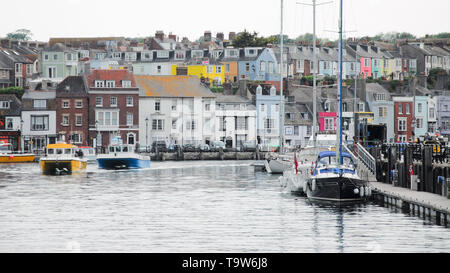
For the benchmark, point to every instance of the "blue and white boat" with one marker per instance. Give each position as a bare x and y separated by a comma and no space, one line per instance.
122,156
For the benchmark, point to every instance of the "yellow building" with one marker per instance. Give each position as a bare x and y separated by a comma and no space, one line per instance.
215,73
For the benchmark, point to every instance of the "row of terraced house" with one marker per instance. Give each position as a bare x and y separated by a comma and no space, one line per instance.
89,90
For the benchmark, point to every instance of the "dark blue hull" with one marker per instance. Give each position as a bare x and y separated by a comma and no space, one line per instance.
122,163
336,189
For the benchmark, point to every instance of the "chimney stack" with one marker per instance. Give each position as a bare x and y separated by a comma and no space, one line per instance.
220,36
159,35
172,36
231,36
207,36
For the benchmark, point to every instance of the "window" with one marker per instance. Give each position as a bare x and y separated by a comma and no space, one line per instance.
51,72
46,57
408,110
158,124
19,68
361,107
419,123
76,138
9,123
179,55
431,112
240,123
69,57
174,123
29,70
107,118
65,120
366,62
157,106
197,53
131,138
126,84
262,66
99,102
210,69
402,138
40,104
78,120
174,105
400,108
99,84
191,125
218,69
65,104
380,97
39,123
262,107
79,104
110,84
329,124
162,54
382,111
231,53
4,104
129,119
269,123
207,106
402,124
227,68
158,69
247,67
129,101
55,57
419,107
270,68
113,101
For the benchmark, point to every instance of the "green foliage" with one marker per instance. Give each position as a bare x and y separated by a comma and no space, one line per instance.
394,84
247,39
217,89
20,34
432,76
442,35
329,79
18,91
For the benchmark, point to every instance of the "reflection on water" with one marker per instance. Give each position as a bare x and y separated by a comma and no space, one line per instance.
199,206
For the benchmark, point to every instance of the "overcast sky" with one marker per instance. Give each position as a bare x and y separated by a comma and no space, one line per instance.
132,18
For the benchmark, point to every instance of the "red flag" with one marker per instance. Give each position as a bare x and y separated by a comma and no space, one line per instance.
296,163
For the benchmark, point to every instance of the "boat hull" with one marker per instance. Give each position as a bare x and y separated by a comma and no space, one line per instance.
277,166
55,167
123,163
17,158
336,189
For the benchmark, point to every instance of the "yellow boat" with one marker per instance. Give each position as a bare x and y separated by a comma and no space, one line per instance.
62,158
8,156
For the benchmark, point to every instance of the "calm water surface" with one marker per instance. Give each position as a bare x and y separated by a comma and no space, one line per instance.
208,206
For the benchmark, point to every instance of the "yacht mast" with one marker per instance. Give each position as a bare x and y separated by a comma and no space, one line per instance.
281,110
339,119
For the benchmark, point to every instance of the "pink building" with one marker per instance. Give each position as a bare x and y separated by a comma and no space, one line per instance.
366,67
327,121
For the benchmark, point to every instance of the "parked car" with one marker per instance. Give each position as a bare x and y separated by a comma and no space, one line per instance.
189,148
204,148
161,145
216,145
174,148
144,149
249,146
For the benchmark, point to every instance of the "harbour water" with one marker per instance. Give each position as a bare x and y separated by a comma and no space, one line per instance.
192,206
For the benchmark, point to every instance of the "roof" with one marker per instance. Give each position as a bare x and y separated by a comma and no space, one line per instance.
39,95
110,75
220,98
172,86
71,86
60,146
331,153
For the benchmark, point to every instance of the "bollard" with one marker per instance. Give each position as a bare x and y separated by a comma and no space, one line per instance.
414,183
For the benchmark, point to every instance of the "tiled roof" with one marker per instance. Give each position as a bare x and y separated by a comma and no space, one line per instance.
110,75
172,86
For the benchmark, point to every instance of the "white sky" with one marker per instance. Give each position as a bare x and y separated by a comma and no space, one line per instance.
132,18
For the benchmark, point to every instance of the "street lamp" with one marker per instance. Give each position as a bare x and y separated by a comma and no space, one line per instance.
97,140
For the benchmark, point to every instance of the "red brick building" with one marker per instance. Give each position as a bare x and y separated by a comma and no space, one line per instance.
72,111
403,117
113,106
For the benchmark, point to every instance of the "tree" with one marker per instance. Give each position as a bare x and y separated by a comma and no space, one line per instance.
247,39
20,34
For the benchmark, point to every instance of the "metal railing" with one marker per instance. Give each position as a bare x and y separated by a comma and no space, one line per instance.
366,158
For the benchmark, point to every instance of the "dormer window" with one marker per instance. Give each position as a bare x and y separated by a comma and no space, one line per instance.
147,55
380,97
40,104
126,83
4,104
99,84
110,84
162,54
231,53
197,53
180,55
117,55
273,91
250,52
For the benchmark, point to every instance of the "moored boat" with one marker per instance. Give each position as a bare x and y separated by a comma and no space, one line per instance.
89,153
62,158
334,181
8,156
122,157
